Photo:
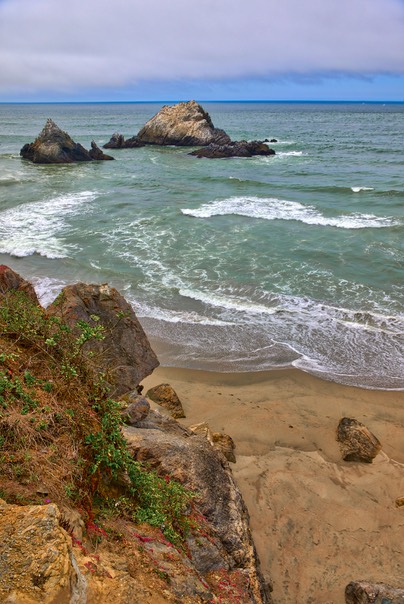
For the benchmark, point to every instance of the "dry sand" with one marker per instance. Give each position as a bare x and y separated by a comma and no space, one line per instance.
318,522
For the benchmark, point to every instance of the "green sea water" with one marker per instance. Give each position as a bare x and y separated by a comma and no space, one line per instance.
231,265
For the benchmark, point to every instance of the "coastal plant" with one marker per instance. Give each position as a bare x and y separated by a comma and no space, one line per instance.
58,426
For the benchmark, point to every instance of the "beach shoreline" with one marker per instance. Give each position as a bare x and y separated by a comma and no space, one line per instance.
318,522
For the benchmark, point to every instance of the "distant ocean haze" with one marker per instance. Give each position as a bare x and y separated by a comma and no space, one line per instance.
232,265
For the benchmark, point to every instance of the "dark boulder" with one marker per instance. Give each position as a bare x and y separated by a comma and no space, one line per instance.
124,355
96,153
54,146
364,592
184,124
357,443
234,149
117,141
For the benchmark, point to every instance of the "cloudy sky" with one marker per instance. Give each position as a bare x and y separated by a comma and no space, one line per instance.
54,50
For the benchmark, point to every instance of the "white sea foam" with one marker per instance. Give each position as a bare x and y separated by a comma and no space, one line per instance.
359,189
33,228
289,153
279,209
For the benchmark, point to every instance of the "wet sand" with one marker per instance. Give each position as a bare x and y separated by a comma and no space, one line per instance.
318,522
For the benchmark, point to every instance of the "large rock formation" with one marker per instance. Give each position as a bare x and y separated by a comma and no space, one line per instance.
11,281
363,592
234,149
54,146
191,459
124,355
184,124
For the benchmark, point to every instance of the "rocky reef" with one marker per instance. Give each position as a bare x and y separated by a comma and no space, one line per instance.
234,149
54,146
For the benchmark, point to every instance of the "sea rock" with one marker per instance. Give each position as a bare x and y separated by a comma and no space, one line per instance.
234,149
184,124
357,443
165,395
363,592
54,146
12,281
36,559
117,141
96,153
222,442
124,355
191,460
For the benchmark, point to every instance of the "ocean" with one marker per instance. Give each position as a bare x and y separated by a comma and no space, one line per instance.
233,265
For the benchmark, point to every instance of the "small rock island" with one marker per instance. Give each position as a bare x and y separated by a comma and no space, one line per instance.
54,146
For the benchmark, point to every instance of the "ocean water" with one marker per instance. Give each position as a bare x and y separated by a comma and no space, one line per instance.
231,265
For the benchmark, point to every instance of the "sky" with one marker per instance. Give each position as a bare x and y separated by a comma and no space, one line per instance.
144,50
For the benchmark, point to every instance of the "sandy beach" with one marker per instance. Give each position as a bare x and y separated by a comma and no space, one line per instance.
318,522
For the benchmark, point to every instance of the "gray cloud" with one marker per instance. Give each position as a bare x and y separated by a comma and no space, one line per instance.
50,45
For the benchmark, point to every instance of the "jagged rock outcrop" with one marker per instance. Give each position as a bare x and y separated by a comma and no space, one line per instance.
96,153
54,146
12,281
222,442
364,592
117,141
184,124
165,395
124,355
175,451
36,559
357,443
234,149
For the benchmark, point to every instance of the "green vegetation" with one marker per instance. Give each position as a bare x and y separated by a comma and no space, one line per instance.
60,433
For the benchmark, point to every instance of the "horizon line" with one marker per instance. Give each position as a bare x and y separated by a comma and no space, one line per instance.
87,102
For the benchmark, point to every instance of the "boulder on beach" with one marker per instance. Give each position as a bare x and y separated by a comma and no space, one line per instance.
357,443
364,592
165,395
117,141
54,146
234,149
184,124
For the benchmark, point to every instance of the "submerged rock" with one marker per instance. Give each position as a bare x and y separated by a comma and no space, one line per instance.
124,355
363,592
357,443
234,149
184,124
117,141
54,146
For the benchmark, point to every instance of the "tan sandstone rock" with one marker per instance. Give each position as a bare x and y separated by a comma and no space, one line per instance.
184,124
357,443
36,559
165,395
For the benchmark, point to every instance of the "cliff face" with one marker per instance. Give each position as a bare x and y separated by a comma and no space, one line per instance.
92,510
